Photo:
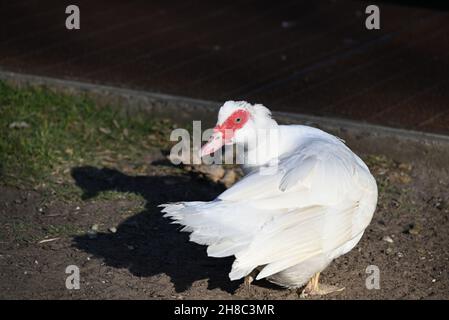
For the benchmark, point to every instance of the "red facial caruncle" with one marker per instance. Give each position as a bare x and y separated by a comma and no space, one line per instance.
234,122
223,133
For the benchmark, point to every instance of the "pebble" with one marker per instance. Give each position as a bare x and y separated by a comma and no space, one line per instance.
94,227
229,178
19,125
213,172
412,229
105,130
388,239
112,230
405,166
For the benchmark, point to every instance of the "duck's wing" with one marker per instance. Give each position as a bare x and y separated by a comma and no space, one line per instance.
321,171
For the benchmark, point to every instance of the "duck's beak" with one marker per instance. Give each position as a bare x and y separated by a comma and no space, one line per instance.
215,142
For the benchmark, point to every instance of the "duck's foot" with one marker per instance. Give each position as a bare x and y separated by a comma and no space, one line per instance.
323,290
313,288
249,279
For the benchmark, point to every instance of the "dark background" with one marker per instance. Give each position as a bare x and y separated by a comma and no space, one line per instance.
313,57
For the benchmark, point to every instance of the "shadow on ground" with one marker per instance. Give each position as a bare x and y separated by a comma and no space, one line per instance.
146,243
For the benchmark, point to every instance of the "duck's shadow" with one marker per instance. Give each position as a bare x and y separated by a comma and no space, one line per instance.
146,243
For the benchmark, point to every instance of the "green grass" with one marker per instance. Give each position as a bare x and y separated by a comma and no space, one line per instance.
64,131
22,232
62,230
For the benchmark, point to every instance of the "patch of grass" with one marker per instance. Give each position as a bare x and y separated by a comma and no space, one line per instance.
393,182
44,134
20,232
62,230
28,232
118,195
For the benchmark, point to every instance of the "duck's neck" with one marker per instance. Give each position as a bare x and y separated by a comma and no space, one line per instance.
268,145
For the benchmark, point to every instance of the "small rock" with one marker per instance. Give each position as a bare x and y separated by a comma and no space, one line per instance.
389,251
400,255
105,130
388,239
213,172
438,203
113,229
229,178
19,125
94,227
412,229
405,167
77,208
434,280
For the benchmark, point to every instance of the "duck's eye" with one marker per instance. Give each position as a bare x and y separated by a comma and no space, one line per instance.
237,120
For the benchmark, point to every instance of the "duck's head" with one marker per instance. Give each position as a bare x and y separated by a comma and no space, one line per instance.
238,123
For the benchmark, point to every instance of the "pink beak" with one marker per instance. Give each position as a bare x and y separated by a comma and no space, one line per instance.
215,142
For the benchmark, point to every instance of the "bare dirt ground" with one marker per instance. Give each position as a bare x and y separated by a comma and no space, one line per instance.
80,184
146,257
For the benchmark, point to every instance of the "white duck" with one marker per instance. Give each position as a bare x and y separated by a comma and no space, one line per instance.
287,225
